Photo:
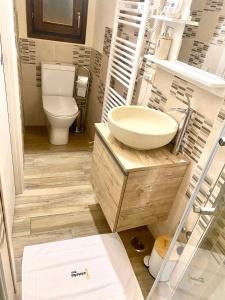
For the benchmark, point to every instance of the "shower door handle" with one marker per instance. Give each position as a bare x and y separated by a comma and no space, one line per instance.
204,211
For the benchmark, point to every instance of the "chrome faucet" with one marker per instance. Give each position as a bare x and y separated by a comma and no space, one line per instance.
183,126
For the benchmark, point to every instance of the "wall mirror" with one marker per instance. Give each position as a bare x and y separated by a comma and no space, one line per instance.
203,46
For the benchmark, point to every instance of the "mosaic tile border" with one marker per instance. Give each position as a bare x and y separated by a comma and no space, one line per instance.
214,5
27,50
219,34
181,90
81,56
191,31
196,136
221,115
101,91
157,99
107,41
98,57
198,54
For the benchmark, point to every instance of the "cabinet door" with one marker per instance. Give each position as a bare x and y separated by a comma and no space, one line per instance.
149,196
108,182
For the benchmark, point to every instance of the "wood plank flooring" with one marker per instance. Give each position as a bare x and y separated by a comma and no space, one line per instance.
58,201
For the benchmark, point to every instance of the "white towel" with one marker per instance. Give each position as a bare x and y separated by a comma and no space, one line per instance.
89,268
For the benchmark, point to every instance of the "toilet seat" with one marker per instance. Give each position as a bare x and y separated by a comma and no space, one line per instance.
59,106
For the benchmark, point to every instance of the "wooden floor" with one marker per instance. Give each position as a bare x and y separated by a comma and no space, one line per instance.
58,201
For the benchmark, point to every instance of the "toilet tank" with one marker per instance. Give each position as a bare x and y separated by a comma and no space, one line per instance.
57,79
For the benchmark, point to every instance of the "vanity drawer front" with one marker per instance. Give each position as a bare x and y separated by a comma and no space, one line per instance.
141,193
108,182
149,196
159,174
131,218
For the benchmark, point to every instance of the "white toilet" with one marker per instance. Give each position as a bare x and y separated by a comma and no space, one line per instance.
58,103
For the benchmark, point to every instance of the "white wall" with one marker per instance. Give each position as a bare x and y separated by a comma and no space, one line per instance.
11,140
6,165
13,91
104,17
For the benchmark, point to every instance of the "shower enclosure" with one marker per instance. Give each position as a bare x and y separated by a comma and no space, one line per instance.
199,272
2,288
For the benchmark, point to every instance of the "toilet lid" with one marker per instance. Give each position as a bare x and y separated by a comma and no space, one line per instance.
60,106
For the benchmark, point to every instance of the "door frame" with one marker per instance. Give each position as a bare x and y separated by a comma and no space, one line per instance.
10,60
7,266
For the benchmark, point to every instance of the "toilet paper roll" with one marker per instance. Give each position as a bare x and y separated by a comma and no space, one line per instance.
82,86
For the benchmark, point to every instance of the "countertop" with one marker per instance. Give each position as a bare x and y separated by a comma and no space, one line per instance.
131,160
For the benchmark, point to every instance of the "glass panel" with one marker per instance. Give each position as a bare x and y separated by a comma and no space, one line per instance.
195,270
58,12
205,276
2,294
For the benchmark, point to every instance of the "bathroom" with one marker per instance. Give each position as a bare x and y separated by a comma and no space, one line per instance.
117,196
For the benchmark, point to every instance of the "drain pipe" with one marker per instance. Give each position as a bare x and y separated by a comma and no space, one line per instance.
220,142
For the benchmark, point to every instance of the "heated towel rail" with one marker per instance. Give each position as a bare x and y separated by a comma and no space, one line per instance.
125,54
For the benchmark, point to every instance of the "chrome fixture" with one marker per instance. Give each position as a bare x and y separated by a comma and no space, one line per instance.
222,141
212,211
137,244
204,211
183,126
197,279
187,233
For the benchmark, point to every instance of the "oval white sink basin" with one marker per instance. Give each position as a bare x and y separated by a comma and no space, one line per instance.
141,127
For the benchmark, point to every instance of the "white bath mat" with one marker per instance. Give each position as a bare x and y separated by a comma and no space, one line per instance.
89,268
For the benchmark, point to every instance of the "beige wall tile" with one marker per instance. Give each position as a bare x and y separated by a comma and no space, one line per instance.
205,32
212,65
64,52
29,74
201,100
45,51
163,80
185,50
104,67
92,114
105,11
32,103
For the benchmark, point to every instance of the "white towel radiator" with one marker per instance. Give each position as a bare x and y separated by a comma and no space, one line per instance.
125,55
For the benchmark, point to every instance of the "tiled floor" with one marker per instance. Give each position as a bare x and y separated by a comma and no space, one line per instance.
58,202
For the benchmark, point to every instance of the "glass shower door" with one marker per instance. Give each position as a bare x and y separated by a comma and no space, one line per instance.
204,276
2,289
199,269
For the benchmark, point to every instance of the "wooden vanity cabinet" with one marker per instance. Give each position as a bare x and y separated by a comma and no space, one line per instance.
134,188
